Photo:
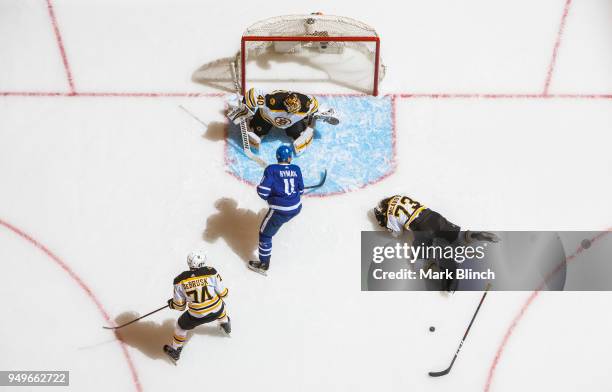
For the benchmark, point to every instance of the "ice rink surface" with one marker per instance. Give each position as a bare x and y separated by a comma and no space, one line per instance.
502,112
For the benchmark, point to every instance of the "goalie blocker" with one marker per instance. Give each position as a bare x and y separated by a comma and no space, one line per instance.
293,112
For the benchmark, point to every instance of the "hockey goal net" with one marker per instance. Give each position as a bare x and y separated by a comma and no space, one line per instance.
287,50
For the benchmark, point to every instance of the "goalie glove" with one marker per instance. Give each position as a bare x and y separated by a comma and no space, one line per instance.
238,114
237,110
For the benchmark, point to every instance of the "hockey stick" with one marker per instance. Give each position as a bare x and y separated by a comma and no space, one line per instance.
320,183
246,146
139,318
192,115
447,370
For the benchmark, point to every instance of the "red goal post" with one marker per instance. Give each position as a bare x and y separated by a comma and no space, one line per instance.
323,33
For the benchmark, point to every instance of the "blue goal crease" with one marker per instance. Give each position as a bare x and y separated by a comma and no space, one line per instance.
356,152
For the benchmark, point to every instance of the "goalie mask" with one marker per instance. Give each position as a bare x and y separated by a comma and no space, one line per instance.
380,212
292,103
196,259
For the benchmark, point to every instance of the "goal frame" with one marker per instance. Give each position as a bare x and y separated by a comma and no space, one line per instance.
258,38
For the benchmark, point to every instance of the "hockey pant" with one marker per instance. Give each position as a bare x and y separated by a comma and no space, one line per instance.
273,221
188,322
432,229
261,127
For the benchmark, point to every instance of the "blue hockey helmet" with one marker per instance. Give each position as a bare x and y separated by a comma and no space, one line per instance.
283,154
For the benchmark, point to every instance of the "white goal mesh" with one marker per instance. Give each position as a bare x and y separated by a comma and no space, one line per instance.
310,49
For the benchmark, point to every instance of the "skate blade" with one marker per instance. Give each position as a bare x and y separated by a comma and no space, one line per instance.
258,270
229,335
174,361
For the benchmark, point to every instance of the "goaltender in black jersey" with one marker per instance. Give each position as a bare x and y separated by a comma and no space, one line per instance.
293,112
199,291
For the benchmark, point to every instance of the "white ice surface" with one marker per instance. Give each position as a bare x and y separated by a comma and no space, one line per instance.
122,188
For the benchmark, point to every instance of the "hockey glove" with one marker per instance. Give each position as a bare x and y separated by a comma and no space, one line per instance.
237,110
238,114
171,304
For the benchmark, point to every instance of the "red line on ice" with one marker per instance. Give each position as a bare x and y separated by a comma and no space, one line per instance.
149,95
553,60
60,44
145,94
109,94
85,288
525,307
394,133
503,96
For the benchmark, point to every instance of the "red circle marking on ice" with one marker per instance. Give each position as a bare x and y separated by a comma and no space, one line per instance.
85,288
524,308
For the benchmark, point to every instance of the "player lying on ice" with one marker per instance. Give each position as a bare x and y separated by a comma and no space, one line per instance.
199,289
400,212
293,112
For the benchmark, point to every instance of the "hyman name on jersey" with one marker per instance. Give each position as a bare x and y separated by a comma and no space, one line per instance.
287,173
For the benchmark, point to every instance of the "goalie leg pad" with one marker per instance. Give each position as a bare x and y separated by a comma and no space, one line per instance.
303,141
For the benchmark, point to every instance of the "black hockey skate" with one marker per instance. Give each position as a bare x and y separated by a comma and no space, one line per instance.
226,327
484,236
450,285
259,267
174,354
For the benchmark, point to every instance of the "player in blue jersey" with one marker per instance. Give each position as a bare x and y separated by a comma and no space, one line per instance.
281,186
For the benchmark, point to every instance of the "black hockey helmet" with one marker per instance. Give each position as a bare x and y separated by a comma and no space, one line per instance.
380,212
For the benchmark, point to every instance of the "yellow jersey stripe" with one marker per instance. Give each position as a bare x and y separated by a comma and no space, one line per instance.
414,216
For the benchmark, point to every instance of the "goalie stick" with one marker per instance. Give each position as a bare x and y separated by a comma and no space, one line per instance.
246,146
139,318
448,369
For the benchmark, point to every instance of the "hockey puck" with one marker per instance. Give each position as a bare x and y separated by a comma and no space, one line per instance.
586,244
431,329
